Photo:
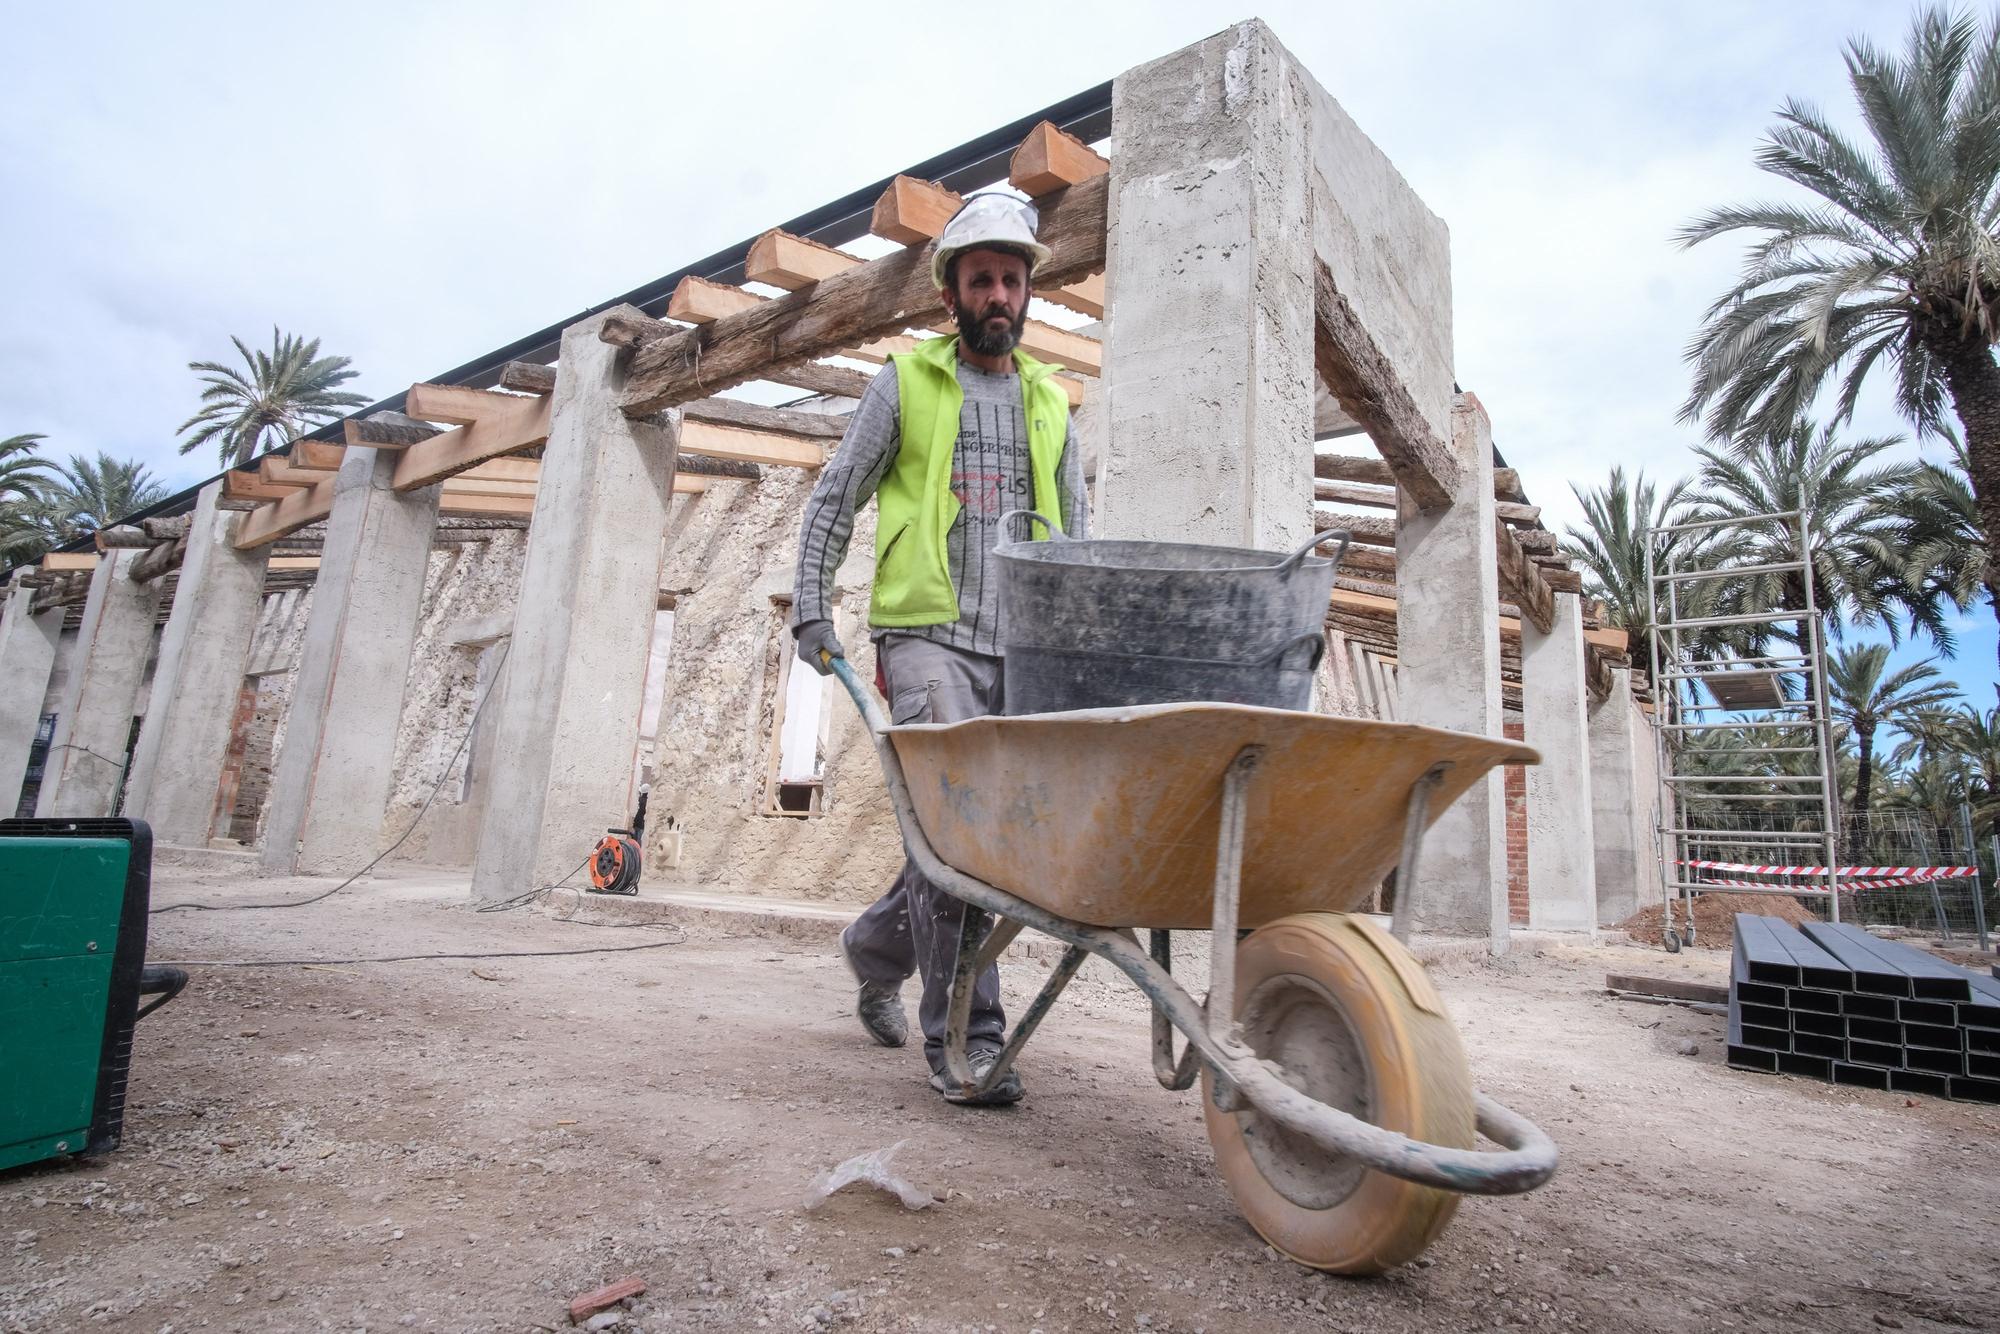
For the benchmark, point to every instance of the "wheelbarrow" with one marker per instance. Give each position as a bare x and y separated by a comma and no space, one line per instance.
1336,1095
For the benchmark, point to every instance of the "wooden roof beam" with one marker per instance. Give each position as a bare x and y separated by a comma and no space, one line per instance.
1376,472
912,212
528,377
238,485
881,296
1050,159
793,262
490,425
1361,376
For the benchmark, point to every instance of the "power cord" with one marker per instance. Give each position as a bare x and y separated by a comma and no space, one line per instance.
410,958
430,797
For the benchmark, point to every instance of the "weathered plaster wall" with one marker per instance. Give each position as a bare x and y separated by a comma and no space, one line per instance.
729,560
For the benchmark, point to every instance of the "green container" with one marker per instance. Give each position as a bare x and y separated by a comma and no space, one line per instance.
73,903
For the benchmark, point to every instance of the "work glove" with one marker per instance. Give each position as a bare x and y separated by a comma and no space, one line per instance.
813,637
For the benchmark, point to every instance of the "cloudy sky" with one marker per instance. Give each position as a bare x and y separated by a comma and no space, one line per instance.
420,183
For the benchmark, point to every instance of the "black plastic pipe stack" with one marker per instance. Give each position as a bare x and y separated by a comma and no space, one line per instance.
1833,1002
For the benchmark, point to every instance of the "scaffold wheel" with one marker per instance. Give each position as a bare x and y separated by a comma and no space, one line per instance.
1347,1016
1672,939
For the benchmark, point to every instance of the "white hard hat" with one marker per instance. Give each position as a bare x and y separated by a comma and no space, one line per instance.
990,219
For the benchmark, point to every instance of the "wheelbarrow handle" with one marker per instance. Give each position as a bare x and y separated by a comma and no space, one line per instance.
871,713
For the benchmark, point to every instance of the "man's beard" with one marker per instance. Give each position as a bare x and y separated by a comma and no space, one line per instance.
989,340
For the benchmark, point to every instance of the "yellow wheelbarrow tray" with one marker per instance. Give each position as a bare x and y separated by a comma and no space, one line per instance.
1090,824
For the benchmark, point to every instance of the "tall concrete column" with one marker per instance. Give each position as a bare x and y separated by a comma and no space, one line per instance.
1562,866
1209,350
331,784
86,764
27,651
1622,800
574,679
1448,675
177,767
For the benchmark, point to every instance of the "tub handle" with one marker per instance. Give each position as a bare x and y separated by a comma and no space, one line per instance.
1007,526
1293,561
1316,639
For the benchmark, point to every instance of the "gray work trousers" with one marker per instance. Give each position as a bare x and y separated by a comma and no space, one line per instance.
915,927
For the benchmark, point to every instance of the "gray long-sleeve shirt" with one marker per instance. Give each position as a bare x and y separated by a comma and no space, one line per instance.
990,475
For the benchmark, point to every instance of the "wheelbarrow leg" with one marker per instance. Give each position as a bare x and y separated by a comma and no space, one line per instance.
978,950
1415,816
1172,1074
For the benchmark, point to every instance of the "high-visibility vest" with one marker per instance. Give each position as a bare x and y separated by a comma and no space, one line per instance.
915,506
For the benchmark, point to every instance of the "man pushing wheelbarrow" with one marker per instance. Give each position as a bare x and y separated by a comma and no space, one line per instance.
1156,768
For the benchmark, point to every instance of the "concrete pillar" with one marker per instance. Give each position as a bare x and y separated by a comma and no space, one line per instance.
331,784
1209,351
86,765
1623,796
177,766
573,683
1448,675
1562,868
27,651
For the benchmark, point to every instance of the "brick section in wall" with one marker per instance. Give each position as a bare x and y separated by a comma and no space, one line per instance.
1517,831
254,766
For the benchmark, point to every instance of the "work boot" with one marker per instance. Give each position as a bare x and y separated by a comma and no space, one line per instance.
879,1008
1007,1091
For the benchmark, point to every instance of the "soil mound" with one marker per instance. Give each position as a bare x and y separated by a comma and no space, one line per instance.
1715,917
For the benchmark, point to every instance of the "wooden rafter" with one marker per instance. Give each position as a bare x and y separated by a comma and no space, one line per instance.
491,425
1361,376
779,259
881,296
1051,158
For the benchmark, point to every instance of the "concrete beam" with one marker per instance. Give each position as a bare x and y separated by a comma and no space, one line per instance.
177,767
331,784
565,744
1448,675
1562,869
85,770
1623,794
27,652
1209,353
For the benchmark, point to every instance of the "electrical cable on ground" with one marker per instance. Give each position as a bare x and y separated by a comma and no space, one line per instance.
411,958
430,797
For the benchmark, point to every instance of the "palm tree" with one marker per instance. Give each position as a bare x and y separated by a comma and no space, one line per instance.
1863,699
288,390
1620,519
1893,263
1936,540
22,471
1847,494
89,495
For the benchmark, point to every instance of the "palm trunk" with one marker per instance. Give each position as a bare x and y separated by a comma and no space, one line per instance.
1974,381
244,445
1864,779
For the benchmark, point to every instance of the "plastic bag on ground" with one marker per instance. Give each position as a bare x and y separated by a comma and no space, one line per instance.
871,1169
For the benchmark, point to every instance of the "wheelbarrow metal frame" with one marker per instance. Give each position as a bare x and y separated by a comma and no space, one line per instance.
1242,1079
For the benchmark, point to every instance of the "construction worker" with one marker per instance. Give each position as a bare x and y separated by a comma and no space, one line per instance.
947,438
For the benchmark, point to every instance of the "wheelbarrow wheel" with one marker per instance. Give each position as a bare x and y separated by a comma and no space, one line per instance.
1347,1016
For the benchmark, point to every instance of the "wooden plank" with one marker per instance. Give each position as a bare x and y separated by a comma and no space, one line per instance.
452,501
240,485
268,523
699,301
1049,159
529,377
793,263
456,405
279,470
385,430
1376,472
750,446
66,562
1361,376
750,416
1521,579
520,422
317,455
882,296
912,212
1673,988
1515,512
1346,493
294,563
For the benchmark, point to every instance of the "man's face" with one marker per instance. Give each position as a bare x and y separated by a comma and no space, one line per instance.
990,300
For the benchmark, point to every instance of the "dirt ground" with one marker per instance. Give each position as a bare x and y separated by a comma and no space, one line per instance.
465,1144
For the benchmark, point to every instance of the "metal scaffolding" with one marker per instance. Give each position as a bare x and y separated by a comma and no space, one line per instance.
1745,746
